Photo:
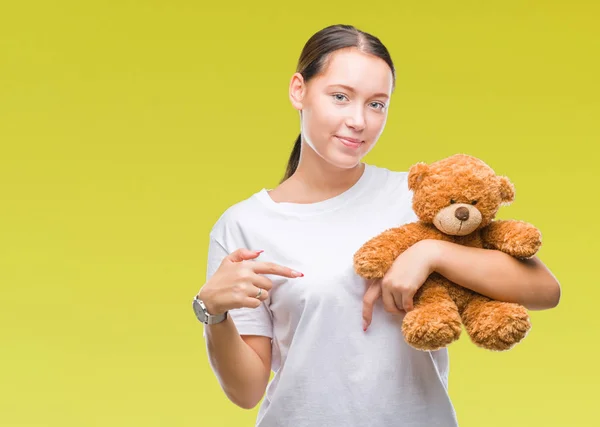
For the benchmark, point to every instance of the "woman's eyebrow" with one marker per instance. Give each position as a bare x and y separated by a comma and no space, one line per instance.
350,89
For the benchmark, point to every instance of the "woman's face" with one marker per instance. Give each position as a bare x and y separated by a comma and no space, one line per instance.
344,108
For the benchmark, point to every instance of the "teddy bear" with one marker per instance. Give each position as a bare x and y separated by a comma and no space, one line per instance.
456,200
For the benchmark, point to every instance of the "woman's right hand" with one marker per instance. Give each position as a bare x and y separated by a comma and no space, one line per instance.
237,281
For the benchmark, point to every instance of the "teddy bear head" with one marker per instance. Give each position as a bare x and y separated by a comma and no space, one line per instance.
458,194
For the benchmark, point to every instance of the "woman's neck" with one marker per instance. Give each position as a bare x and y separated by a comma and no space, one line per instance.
316,180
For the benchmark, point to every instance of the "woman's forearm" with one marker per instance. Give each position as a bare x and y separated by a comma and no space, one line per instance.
497,275
239,369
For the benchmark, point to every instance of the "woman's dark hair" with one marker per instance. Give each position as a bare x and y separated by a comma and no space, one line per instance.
315,54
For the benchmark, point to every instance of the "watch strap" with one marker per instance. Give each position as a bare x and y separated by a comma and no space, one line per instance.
210,319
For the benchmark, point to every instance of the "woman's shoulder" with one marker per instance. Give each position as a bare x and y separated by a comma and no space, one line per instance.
235,214
395,179
392,192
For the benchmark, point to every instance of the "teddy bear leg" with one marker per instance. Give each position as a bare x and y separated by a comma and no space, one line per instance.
434,322
495,325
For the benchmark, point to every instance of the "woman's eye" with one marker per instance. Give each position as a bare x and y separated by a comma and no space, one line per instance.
474,202
452,201
339,96
381,106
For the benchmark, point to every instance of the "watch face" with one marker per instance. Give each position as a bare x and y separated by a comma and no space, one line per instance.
198,310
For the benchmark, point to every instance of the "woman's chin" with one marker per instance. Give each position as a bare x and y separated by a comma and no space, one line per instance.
344,160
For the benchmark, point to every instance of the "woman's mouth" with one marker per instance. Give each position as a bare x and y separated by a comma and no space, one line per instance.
350,142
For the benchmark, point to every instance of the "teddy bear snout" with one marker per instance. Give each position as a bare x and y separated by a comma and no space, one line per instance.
462,213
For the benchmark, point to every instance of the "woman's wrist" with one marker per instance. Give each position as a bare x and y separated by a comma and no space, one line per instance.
433,251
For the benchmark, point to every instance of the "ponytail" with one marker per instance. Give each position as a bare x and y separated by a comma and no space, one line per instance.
294,159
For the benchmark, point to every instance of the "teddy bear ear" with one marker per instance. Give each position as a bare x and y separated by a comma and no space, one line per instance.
416,174
507,189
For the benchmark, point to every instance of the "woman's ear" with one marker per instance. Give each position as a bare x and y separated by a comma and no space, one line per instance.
297,91
416,174
507,190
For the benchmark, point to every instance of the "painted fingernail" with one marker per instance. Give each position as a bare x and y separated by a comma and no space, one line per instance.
297,274
365,325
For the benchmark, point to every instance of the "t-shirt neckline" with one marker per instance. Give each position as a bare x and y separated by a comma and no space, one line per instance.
319,207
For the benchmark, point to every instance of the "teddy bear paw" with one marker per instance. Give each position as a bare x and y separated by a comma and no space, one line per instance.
500,326
371,267
525,242
431,327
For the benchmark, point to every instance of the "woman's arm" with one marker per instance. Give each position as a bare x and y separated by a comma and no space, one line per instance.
495,274
242,364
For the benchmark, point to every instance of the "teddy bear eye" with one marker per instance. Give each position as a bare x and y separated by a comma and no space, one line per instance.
474,202
452,201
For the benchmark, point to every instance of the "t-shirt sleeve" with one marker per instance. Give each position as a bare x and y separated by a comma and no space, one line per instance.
248,321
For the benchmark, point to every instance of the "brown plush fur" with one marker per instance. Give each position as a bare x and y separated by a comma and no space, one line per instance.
456,199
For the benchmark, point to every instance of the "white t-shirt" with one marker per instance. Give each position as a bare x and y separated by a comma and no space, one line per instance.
328,371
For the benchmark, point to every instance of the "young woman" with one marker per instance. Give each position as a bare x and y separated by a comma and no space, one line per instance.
299,310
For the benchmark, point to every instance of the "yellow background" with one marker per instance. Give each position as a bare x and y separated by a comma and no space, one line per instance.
128,127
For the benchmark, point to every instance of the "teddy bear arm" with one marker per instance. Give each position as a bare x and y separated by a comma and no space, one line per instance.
516,238
377,255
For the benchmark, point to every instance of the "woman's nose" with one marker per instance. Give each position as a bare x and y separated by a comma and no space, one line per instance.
356,120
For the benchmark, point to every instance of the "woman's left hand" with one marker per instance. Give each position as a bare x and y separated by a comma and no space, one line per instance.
400,283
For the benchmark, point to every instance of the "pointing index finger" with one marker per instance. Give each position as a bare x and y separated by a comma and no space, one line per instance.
272,268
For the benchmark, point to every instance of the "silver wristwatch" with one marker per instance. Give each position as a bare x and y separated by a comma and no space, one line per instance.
203,315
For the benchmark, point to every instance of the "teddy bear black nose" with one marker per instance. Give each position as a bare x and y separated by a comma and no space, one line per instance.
462,213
